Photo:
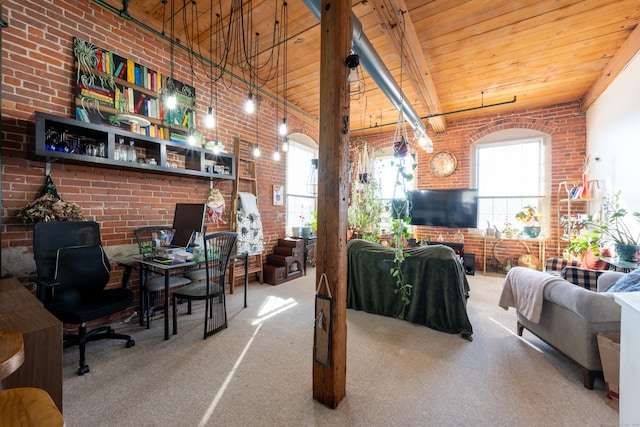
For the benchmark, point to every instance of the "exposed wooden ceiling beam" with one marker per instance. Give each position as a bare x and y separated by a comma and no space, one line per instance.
401,33
626,53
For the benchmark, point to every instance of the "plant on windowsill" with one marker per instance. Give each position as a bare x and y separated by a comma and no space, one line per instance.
530,218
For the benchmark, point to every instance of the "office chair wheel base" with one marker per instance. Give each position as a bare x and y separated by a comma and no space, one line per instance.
83,370
130,343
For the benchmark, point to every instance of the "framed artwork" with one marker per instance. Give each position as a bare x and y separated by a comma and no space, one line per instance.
278,195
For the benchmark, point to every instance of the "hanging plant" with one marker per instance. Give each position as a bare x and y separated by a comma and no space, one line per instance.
399,229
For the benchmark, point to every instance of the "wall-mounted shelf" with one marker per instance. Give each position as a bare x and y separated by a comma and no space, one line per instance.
74,141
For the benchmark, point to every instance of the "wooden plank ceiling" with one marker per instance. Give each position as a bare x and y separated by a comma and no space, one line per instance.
456,54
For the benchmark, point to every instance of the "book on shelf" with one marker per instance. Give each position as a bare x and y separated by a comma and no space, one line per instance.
130,100
119,70
97,96
139,105
81,114
136,75
131,77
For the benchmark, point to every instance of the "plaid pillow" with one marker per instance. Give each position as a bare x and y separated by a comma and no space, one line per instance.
558,263
587,279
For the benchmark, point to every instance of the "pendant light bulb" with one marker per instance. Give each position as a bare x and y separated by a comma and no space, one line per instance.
256,151
429,147
249,105
285,144
171,101
192,139
210,121
353,61
216,147
354,78
283,127
276,154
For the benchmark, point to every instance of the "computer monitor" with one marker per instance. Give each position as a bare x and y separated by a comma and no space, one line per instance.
188,217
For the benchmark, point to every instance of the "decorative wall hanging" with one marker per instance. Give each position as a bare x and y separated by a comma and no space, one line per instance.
278,195
443,164
322,325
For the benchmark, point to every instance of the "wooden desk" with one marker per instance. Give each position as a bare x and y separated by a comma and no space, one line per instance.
21,311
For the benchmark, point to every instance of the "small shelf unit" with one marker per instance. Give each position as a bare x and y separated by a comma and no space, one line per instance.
74,141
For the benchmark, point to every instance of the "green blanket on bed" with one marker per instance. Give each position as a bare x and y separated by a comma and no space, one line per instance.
440,287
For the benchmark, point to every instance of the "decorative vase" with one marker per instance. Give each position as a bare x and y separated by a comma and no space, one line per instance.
531,231
304,232
584,193
630,253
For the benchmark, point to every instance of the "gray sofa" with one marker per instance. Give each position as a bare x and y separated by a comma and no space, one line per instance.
571,319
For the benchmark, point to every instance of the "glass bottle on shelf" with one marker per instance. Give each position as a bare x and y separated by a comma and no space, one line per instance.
132,156
123,151
117,153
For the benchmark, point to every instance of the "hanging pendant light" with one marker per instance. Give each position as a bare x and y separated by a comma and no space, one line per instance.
285,144
249,105
276,154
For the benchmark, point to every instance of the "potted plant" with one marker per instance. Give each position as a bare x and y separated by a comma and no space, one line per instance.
613,228
530,217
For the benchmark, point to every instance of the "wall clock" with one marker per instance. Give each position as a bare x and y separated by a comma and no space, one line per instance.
443,164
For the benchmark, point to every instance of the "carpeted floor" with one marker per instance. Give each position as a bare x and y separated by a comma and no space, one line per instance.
258,371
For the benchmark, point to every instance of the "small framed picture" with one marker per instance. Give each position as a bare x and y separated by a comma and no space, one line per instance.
278,195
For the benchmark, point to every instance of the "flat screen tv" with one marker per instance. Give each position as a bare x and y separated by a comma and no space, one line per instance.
456,208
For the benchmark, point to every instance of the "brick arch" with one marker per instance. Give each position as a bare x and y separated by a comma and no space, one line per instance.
504,123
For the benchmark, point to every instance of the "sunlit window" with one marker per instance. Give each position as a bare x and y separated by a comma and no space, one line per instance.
301,200
509,176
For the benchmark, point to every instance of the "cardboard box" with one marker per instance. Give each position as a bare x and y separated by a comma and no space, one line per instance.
609,347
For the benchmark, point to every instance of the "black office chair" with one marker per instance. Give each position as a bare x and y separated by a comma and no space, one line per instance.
73,271
217,252
152,282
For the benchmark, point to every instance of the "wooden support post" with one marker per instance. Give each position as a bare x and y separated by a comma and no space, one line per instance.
329,384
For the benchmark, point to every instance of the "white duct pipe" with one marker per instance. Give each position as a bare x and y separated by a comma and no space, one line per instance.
371,62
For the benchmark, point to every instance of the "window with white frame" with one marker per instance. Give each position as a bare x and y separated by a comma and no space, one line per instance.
301,196
510,175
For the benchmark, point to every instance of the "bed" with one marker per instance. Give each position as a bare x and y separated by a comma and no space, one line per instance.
440,287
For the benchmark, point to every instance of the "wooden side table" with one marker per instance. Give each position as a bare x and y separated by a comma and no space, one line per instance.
42,335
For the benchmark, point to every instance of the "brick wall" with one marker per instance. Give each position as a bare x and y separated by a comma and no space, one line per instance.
563,122
38,75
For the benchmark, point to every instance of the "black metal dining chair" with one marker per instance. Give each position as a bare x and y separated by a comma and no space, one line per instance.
217,252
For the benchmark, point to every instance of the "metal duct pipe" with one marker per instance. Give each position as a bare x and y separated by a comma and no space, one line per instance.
371,62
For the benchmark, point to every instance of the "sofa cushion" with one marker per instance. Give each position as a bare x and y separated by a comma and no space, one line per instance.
627,283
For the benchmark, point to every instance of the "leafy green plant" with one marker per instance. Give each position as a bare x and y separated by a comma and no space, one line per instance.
400,231
365,211
579,244
612,227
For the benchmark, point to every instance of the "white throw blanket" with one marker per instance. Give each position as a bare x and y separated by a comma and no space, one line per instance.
248,204
523,289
